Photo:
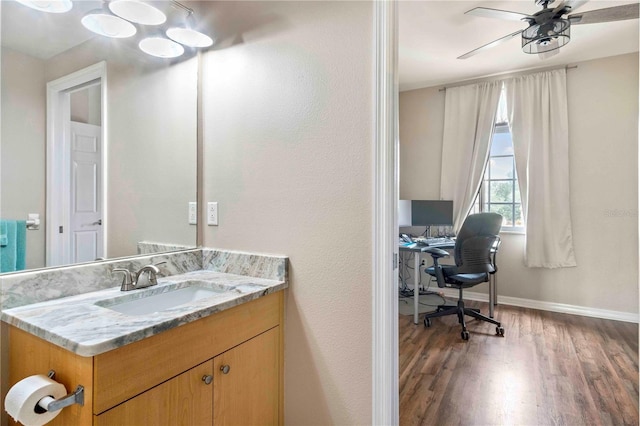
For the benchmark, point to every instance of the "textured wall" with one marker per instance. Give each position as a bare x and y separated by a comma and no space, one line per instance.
288,157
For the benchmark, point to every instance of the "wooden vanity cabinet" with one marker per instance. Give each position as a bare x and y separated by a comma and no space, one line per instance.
240,382
243,380
164,379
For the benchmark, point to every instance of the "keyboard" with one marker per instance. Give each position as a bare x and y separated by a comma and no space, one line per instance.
435,241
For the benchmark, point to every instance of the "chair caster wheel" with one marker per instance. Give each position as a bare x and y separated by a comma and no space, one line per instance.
500,331
465,335
427,322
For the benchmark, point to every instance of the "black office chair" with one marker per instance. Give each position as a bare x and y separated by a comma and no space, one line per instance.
474,263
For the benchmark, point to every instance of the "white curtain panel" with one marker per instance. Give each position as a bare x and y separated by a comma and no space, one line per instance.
538,118
469,117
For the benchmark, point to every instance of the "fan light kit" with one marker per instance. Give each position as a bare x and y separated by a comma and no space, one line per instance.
119,18
549,29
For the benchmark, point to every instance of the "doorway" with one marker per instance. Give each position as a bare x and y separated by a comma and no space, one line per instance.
76,164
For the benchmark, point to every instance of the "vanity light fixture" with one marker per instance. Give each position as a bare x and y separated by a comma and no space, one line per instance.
161,47
116,19
186,34
103,22
189,37
51,6
137,11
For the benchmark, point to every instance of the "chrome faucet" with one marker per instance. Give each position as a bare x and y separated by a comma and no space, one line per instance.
127,282
145,277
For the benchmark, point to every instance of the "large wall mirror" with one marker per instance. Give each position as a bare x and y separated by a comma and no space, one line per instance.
121,177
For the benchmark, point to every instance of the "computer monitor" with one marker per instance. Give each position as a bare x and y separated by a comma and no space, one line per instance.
431,212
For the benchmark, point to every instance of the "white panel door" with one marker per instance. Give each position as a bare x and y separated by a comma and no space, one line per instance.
85,236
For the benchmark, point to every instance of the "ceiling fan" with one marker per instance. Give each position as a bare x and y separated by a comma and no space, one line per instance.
549,28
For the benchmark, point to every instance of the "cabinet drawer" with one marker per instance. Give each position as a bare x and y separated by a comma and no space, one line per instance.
132,369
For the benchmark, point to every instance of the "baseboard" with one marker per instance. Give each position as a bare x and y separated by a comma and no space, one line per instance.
547,306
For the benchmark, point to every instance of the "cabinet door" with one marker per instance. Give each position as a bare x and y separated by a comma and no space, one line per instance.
246,382
183,400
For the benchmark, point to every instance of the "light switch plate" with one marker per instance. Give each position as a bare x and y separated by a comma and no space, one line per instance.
212,213
193,213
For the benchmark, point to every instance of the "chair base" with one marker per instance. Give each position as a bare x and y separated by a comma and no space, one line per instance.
460,310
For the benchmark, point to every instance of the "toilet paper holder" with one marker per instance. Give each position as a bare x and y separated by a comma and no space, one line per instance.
50,404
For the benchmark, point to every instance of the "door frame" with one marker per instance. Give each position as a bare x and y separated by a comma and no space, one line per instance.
58,156
385,388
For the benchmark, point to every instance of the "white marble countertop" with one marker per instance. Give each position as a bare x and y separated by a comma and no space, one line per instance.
79,325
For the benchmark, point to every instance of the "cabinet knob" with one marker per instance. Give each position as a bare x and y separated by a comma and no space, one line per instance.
207,379
225,369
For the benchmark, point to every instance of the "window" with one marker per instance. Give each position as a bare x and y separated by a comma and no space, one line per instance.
499,190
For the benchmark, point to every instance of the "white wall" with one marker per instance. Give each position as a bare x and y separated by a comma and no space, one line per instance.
421,123
603,145
288,157
22,146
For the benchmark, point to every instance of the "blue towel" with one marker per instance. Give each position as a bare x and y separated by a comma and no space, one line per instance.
13,254
21,244
4,240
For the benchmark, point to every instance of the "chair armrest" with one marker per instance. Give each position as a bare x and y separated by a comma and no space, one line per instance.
436,252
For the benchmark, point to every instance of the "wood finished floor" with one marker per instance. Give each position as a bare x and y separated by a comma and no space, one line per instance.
548,369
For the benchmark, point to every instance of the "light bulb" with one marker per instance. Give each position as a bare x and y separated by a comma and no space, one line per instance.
161,47
102,22
51,6
189,37
137,11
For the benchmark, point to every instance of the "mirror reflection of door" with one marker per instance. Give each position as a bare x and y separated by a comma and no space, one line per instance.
76,164
85,224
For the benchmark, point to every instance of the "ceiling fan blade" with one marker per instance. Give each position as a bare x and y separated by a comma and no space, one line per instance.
486,12
490,45
609,14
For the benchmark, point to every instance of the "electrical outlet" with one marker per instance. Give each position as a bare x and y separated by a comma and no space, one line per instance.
212,213
193,213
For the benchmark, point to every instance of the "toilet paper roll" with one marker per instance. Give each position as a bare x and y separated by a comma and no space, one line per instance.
23,397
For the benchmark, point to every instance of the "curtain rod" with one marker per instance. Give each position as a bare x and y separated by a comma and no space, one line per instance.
506,75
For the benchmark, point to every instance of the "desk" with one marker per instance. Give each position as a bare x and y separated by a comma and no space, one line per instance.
418,250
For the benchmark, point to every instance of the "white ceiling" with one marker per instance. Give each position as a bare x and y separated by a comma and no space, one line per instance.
433,34
30,31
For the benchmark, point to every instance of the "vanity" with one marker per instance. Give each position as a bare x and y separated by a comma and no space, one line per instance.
212,354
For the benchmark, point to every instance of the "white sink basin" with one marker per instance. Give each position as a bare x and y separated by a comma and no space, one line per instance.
160,299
